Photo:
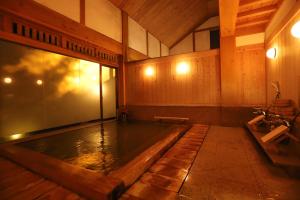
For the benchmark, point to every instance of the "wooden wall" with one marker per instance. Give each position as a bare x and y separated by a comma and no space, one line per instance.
285,68
197,94
201,85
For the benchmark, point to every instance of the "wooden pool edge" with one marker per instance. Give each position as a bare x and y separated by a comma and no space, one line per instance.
88,183
130,172
79,180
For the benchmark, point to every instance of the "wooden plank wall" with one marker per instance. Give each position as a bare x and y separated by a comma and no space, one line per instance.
285,68
201,85
252,75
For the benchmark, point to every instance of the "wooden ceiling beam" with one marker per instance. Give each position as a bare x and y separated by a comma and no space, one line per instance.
248,31
253,19
253,23
228,10
246,5
257,12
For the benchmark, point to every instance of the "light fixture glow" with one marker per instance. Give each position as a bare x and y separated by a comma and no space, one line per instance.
16,136
149,71
182,68
7,80
271,53
295,31
39,82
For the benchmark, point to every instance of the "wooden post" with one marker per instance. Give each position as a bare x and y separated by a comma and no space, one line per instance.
123,60
82,12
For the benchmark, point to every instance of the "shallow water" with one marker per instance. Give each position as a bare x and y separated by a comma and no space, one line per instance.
101,148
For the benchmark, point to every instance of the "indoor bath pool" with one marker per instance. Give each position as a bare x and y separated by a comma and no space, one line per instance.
101,147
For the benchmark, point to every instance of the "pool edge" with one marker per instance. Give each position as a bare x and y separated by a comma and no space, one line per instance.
130,172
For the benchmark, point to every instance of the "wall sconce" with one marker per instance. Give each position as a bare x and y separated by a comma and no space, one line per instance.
182,68
7,80
271,53
295,31
39,82
149,71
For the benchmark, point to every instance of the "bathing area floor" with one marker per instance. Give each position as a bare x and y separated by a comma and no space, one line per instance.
229,165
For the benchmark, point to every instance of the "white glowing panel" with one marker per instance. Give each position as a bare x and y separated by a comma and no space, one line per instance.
295,31
271,53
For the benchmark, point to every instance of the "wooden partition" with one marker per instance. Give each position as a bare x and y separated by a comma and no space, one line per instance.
199,85
285,68
196,94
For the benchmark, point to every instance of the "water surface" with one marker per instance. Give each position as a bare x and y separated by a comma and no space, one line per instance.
101,148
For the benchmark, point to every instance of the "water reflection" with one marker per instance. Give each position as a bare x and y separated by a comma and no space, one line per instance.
101,148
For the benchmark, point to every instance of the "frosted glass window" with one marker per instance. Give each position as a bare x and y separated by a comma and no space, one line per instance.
41,90
109,92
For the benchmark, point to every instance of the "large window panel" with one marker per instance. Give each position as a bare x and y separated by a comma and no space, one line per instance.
109,92
40,90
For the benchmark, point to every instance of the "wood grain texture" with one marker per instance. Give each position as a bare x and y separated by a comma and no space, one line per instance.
161,18
40,14
18,183
285,67
254,15
228,16
199,86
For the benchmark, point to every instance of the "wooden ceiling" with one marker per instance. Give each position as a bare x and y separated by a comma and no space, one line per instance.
254,15
169,20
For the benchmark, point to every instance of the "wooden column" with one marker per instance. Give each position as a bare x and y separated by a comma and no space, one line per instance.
123,60
230,95
229,72
82,12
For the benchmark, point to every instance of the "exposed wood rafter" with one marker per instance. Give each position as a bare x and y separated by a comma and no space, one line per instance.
228,10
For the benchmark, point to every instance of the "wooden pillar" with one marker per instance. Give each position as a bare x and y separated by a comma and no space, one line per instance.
229,72
230,83
123,60
82,12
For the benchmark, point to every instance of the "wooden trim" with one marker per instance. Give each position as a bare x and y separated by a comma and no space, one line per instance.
134,55
252,30
26,32
82,12
39,14
287,19
208,29
228,15
257,12
213,52
160,48
147,42
194,42
251,47
77,179
101,94
130,172
122,74
254,23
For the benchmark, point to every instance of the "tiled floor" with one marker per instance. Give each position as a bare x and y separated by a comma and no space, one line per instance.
230,166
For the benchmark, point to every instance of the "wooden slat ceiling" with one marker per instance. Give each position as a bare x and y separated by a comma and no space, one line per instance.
169,20
254,15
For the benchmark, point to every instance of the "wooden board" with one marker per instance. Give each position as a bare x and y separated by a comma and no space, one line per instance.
286,158
18,183
88,183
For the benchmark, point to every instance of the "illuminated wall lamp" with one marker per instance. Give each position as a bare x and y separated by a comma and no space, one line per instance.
149,71
295,31
271,53
182,68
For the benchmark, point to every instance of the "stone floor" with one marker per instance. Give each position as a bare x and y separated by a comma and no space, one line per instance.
231,166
